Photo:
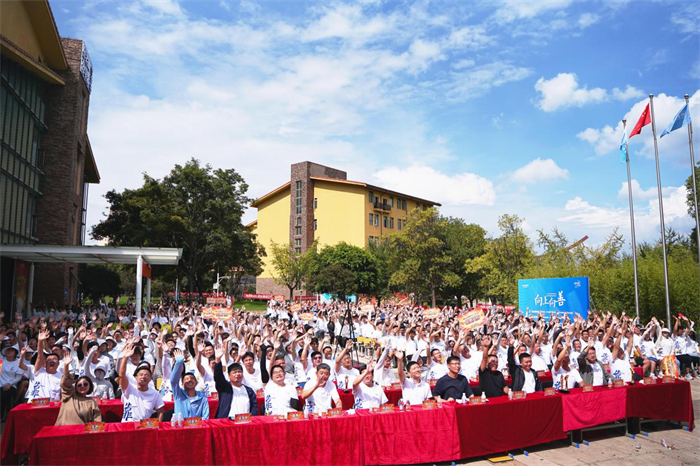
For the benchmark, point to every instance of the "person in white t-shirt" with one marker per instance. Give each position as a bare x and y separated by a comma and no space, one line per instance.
251,372
436,369
280,397
343,367
414,390
46,382
319,393
565,376
368,393
139,400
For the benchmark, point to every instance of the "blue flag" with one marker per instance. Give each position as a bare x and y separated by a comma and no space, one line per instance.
623,147
681,119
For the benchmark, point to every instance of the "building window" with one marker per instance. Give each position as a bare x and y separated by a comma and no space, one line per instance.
403,205
297,231
371,219
298,196
371,197
298,221
297,242
398,224
386,222
391,222
297,250
391,201
315,224
376,220
315,203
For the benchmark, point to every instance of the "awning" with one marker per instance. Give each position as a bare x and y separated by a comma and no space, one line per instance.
90,254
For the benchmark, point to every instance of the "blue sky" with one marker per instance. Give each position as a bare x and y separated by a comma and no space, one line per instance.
488,107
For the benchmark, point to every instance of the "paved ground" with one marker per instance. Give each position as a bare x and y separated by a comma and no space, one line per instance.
613,448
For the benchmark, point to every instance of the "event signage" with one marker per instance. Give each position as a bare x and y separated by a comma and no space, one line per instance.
306,316
92,427
278,297
554,295
296,307
540,373
396,386
335,412
428,404
668,379
257,296
619,383
519,395
41,401
386,408
367,308
242,418
587,387
431,313
549,391
471,320
193,422
214,395
649,381
148,424
295,416
216,300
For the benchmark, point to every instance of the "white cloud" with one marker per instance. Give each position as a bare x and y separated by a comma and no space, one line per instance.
638,193
347,22
471,83
600,218
675,145
587,20
513,10
563,91
540,171
459,189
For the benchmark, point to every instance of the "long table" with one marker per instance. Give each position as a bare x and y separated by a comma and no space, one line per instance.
448,433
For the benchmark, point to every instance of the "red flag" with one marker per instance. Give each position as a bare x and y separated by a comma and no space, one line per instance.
644,120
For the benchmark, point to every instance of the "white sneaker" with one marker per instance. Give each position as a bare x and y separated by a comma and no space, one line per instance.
653,376
688,377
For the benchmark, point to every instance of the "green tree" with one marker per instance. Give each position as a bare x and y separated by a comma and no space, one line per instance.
98,281
505,259
336,280
360,265
291,268
196,208
464,241
420,257
690,189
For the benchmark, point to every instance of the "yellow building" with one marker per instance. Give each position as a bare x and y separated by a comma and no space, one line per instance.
320,204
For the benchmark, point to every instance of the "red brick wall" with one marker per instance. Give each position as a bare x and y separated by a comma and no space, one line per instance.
59,210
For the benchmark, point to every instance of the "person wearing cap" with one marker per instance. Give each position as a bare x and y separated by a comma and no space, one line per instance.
76,406
188,401
10,376
234,397
139,398
46,381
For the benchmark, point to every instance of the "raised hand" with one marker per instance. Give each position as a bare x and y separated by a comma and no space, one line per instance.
201,346
128,350
67,360
178,353
219,351
43,335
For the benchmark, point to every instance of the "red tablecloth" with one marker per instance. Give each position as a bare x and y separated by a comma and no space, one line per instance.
122,444
416,436
26,420
348,399
602,405
267,441
502,425
661,401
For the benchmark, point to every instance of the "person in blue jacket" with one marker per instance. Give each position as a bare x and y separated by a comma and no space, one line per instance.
188,401
234,397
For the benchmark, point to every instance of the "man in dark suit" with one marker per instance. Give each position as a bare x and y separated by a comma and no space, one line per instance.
523,377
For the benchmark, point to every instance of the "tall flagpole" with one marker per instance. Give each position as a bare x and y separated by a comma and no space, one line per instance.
634,239
661,210
695,185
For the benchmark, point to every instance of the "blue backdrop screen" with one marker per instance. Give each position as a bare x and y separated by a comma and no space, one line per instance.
547,295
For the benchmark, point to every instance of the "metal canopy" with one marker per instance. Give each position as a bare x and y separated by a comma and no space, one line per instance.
91,254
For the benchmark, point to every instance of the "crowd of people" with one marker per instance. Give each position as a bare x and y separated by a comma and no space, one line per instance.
171,353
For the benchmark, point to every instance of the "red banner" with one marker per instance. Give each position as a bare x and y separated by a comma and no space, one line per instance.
257,296
146,270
